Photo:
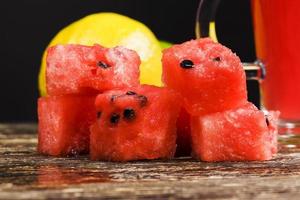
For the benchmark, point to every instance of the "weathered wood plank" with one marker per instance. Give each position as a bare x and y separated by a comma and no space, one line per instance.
24,174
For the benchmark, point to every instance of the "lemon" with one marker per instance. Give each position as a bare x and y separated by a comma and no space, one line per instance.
164,44
109,30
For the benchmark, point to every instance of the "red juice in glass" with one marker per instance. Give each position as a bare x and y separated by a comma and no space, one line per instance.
277,39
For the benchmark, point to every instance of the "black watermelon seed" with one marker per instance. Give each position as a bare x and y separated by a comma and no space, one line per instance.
129,113
113,97
187,64
130,93
143,100
103,65
267,121
114,118
217,59
98,115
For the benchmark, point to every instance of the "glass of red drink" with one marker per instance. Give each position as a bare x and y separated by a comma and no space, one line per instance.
277,40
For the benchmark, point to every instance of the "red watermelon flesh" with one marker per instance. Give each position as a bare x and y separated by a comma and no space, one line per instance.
240,134
78,69
208,75
183,134
135,124
64,123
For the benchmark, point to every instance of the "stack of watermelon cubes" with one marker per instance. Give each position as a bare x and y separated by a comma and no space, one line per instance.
75,74
212,83
96,105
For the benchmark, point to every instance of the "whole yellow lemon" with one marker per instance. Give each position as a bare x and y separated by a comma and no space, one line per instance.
109,30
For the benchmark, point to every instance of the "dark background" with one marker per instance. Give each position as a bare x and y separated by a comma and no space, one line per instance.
28,25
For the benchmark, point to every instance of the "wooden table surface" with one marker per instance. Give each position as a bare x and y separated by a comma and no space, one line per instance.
24,174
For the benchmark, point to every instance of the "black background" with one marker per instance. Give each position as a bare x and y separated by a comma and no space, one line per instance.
28,25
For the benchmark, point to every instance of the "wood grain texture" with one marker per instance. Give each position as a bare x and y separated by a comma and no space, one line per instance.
24,174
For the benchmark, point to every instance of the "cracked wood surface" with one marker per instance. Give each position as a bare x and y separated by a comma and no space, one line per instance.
24,174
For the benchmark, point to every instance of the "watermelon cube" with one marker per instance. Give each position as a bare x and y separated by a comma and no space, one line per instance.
209,76
240,134
64,123
78,69
135,124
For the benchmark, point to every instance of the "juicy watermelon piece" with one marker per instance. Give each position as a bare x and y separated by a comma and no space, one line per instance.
234,135
183,134
78,69
208,75
64,123
135,124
